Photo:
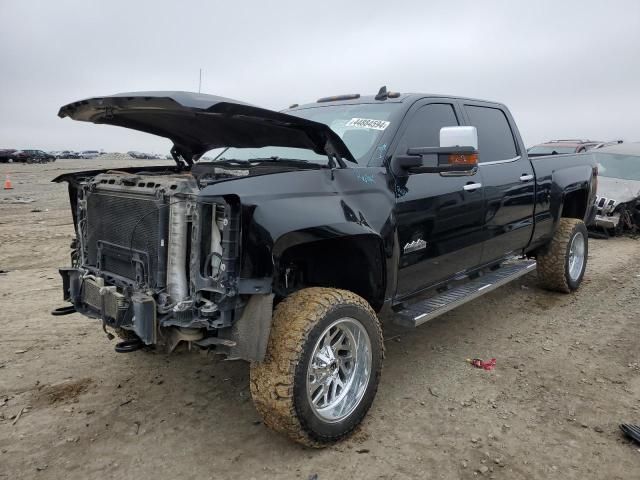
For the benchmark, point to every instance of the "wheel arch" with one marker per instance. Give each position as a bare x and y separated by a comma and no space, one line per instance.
573,193
351,261
574,204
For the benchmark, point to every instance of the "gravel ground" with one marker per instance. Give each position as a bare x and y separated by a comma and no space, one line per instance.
568,372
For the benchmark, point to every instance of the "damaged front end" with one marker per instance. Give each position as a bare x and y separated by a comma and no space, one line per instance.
618,193
617,209
155,260
616,216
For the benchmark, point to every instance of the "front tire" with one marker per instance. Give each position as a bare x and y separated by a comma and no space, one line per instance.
561,267
322,367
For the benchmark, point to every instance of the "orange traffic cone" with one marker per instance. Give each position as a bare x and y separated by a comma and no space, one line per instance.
7,183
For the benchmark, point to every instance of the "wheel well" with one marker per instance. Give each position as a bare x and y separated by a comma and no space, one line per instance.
574,204
351,263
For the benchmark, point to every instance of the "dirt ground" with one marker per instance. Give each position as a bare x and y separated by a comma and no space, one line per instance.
568,372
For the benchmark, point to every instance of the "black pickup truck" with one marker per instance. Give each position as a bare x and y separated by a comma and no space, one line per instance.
308,225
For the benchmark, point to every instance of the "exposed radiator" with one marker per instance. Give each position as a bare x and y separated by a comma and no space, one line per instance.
124,234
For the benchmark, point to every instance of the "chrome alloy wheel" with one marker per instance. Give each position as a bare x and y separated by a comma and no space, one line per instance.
339,370
576,256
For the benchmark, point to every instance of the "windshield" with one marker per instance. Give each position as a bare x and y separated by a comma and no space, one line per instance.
359,126
550,150
626,167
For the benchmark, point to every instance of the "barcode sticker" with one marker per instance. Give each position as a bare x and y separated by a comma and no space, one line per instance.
368,123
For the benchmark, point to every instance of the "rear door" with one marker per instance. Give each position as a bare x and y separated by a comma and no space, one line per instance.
508,179
439,217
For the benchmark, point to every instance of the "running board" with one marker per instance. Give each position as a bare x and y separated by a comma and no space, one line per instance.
425,310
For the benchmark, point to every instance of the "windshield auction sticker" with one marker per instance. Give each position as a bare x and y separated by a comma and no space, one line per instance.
368,123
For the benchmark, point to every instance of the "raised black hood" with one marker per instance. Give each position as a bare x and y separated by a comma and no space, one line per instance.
196,123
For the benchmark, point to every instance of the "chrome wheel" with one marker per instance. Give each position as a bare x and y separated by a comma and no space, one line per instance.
576,256
339,370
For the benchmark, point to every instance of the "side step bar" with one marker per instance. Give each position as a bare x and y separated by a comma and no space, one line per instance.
425,310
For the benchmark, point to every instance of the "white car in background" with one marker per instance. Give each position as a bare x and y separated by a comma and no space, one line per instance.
89,154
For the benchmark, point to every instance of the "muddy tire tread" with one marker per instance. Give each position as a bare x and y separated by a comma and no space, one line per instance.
272,381
551,264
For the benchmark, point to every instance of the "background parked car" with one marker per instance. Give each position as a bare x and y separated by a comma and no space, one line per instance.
560,147
87,154
67,154
618,193
32,156
139,155
6,155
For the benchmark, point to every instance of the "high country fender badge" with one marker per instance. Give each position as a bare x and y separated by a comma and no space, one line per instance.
414,246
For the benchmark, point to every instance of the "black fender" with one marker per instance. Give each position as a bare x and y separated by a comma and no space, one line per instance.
566,181
560,179
288,210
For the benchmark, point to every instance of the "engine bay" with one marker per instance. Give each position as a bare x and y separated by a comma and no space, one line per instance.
151,255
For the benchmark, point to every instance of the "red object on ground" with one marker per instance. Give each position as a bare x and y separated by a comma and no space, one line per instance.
488,365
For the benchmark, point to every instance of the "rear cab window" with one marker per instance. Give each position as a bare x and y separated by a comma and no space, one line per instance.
495,137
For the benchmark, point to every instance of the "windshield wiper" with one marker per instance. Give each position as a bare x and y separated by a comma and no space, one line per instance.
277,159
230,161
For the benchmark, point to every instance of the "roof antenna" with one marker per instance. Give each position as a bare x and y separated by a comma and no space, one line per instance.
200,82
382,93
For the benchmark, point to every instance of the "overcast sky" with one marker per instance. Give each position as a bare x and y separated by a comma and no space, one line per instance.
565,69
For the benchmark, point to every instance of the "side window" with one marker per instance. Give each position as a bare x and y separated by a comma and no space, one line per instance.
424,127
495,139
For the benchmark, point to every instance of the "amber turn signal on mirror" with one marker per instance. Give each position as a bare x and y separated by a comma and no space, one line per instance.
463,159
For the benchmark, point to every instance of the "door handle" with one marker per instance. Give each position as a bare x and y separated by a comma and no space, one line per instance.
526,177
469,187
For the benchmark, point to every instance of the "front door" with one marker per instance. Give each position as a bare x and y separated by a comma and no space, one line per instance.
439,216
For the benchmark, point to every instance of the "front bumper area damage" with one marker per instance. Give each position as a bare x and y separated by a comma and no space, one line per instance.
617,216
91,297
153,258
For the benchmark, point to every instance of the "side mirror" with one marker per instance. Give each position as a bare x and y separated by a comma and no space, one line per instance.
459,136
458,152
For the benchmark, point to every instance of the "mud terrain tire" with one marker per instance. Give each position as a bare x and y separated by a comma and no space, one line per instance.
554,271
279,384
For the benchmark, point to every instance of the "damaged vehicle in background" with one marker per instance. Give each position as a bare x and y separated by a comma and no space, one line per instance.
562,147
285,248
618,192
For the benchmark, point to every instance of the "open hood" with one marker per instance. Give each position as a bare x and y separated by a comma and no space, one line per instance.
196,123
618,189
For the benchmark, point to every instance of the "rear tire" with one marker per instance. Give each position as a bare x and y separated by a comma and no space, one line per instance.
561,267
322,367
